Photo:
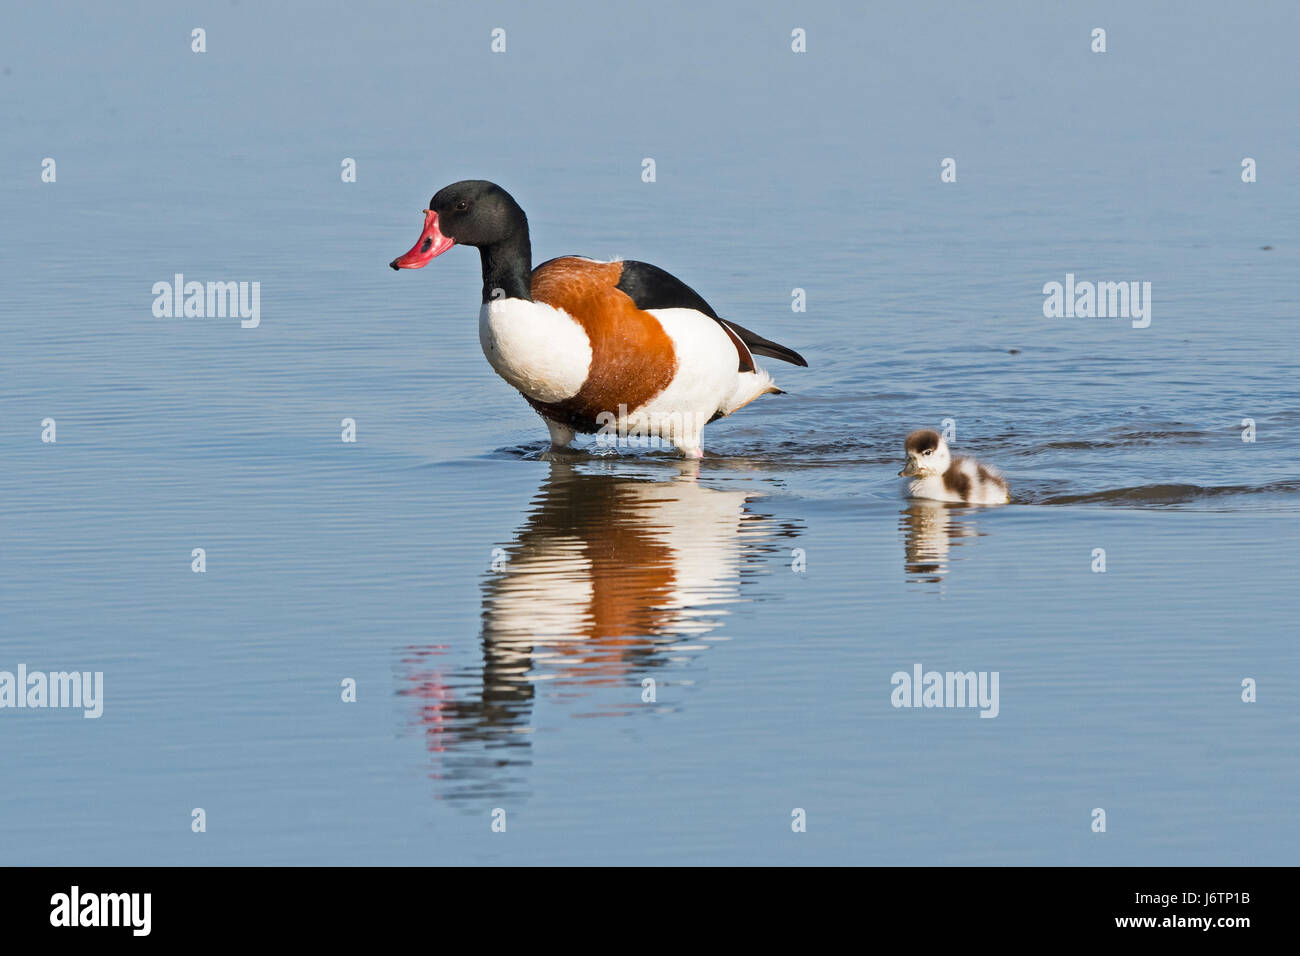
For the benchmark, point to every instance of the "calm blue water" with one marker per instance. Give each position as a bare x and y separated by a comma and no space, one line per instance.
499,611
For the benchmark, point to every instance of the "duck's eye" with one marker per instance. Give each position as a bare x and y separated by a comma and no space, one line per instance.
462,205
927,451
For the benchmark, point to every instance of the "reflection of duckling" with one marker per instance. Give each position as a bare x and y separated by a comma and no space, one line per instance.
938,476
930,529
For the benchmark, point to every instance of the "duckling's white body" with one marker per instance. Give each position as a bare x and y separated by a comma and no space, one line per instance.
937,476
986,487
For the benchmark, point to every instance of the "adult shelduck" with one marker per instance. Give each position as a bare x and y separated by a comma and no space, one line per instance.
612,347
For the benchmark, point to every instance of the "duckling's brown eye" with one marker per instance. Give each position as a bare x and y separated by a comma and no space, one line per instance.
927,451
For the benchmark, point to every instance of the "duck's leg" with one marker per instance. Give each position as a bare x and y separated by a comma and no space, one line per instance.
688,442
561,435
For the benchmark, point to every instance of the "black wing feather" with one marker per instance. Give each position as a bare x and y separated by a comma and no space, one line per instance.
761,346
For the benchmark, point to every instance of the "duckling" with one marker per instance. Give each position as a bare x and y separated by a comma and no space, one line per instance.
938,476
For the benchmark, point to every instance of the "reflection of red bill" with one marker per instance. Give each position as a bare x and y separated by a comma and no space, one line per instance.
430,244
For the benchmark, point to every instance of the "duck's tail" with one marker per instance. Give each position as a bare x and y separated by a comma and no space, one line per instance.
749,386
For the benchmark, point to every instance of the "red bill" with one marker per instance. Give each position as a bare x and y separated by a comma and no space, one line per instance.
430,244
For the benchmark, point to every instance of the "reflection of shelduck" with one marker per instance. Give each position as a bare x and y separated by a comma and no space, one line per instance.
608,567
609,580
940,477
595,346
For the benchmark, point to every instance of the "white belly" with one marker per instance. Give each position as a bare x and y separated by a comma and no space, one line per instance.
538,349
707,380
